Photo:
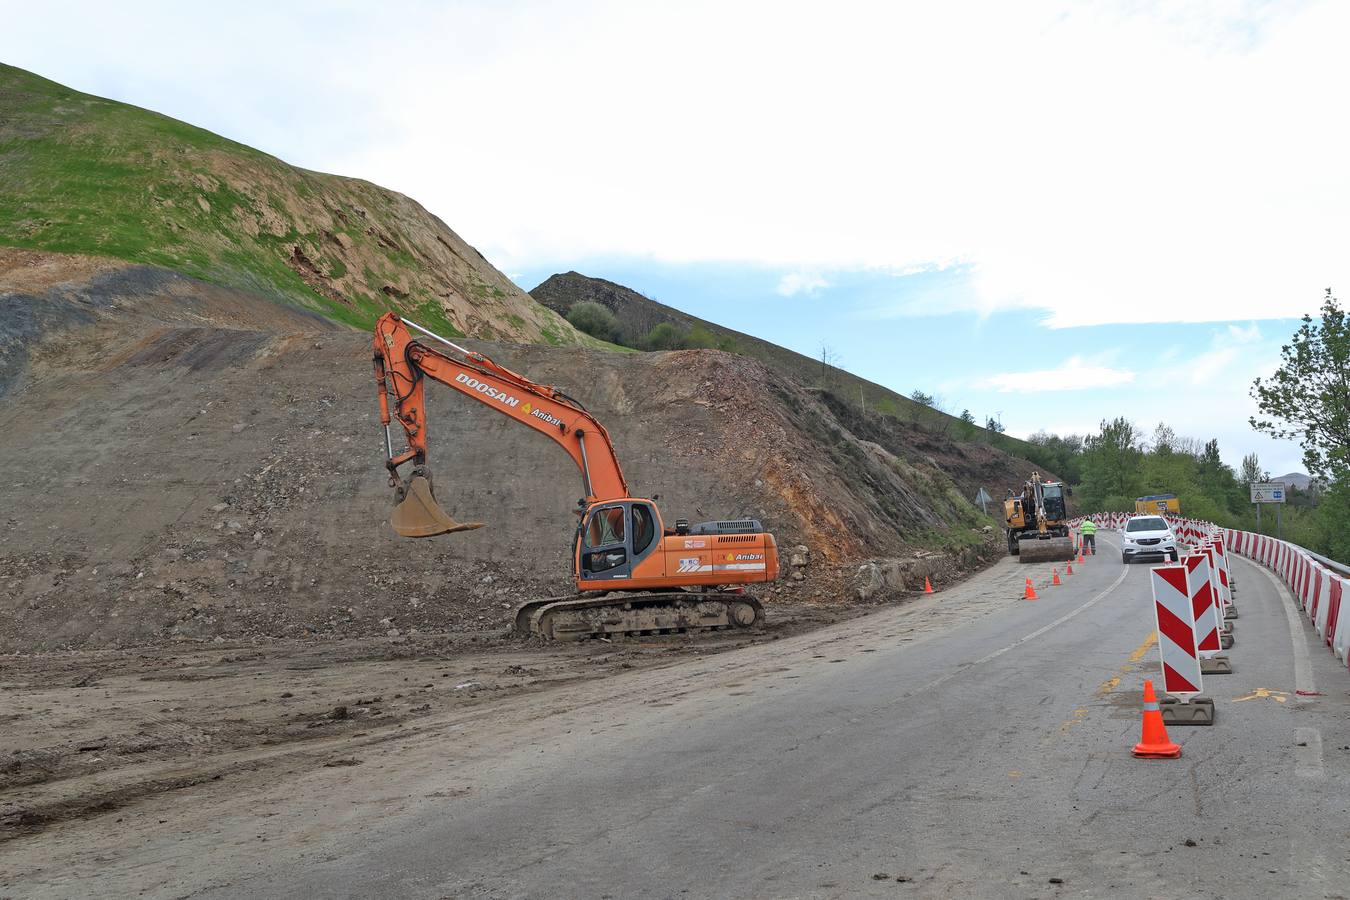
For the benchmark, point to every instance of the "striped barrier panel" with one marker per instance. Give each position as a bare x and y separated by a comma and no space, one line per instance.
1212,558
1221,554
1205,612
1176,631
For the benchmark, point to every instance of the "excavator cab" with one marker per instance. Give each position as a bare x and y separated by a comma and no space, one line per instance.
614,537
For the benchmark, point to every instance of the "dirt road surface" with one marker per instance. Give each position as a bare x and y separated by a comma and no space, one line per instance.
967,744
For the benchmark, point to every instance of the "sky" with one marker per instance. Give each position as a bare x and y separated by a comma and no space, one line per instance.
1048,212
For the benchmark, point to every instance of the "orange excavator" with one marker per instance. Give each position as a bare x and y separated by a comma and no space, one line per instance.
633,575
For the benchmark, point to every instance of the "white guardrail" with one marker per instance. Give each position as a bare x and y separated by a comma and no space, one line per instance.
1318,584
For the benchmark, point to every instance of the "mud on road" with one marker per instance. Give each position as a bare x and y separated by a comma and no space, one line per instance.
91,732
197,579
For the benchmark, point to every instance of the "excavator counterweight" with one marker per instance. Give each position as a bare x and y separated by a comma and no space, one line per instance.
633,575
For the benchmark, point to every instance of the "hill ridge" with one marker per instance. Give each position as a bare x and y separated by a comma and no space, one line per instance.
637,314
82,174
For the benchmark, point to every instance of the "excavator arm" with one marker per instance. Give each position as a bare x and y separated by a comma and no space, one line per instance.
402,366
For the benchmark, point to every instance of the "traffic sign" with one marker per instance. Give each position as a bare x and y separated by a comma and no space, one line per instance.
1267,491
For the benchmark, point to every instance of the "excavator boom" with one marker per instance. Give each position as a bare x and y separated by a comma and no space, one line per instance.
402,365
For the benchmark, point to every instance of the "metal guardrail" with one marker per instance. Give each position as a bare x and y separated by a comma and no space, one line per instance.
1343,569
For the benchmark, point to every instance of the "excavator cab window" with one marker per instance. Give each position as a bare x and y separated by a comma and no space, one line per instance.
606,527
644,528
605,546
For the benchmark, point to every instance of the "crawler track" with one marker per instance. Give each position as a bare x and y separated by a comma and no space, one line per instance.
666,612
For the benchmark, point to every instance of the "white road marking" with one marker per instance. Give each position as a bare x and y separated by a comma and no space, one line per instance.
1308,753
1124,571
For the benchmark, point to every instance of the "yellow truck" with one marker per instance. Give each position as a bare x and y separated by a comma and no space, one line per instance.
1158,505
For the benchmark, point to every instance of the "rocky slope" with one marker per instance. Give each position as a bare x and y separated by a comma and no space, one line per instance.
85,175
181,461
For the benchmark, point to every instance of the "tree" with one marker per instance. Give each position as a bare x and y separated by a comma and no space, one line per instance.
1251,469
994,425
1308,397
594,319
1111,461
829,359
926,399
966,430
1164,439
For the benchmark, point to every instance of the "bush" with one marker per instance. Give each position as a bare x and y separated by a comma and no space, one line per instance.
665,336
595,320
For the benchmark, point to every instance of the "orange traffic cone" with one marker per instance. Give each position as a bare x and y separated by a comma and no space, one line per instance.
1154,744
1088,548
1056,579
1080,557
1030,592
1069,570
927,587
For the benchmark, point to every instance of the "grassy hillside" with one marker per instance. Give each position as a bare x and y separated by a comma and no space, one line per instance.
637,315
81,174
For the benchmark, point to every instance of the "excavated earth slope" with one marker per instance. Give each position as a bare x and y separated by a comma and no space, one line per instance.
181,461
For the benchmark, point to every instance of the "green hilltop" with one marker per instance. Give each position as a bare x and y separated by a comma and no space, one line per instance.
82,174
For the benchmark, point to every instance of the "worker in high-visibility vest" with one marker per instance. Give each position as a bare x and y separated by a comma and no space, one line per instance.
1089,532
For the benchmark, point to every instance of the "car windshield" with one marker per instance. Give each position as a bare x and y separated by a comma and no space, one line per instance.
1150,524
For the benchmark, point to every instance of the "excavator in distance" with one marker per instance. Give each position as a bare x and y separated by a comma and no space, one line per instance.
633,575
1035,522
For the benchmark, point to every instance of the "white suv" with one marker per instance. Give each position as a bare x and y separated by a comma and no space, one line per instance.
1147,536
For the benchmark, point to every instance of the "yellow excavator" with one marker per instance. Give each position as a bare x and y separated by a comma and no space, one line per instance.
1035,522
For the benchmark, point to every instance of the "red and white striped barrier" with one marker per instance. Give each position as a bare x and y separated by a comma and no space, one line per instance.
1176,631
1211,557
1203,607
1319,590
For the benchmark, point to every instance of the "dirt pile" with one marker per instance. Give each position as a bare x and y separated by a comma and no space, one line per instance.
166,473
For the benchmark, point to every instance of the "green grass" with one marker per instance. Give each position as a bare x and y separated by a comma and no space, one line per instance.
81,174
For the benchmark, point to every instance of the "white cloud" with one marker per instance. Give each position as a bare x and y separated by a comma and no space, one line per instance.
1075,374
800,282
1208,366
1105,162
1233,348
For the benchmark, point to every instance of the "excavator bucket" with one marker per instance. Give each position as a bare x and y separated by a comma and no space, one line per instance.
419,515
1034,550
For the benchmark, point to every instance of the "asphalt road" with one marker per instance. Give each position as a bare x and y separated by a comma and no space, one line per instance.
984,758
